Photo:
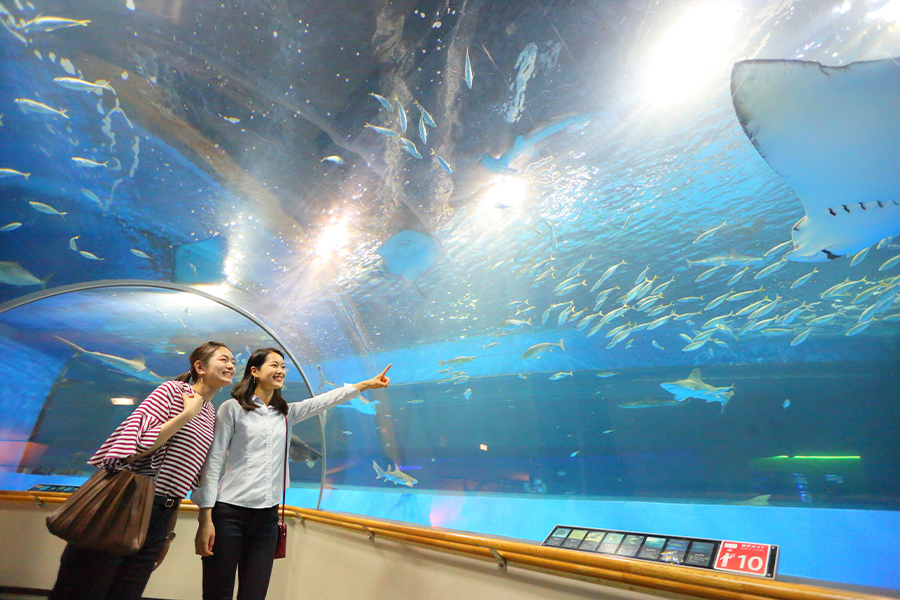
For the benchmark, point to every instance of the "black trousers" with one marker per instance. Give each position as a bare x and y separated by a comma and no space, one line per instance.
93,575
245,542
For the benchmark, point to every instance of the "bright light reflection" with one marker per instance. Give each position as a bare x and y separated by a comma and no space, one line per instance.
506,192
122,401
888,13
333,238
689,51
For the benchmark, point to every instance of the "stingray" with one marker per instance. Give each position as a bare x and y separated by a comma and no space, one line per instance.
409,255
833,133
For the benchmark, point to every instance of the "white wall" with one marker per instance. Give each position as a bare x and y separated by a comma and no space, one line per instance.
323,562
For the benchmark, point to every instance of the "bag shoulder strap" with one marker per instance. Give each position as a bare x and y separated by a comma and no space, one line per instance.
287,440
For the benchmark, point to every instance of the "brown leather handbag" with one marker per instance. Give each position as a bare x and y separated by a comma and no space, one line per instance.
110,512
281,547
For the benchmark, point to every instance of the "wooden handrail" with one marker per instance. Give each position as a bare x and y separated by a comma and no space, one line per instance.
620,571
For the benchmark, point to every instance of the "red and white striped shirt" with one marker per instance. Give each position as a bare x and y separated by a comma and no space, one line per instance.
178,461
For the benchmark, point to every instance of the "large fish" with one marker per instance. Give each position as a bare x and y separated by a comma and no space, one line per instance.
13,273
133,368
833,133
694,387
394,475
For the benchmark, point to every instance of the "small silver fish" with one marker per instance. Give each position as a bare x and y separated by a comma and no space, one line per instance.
80,85
88,163
803,279
800,338
468,393
778,247
410,148
48,24
858,258
32,106
401,113
444,164
655,345
538,349
706,234
468,71
709,273
423,131
13,173
605,374
770,269
785,404
382,130
46,209
889,263
429,120
10,227
92,196
334,158
72,244
561,375
385,103
737,276
139,254
89,255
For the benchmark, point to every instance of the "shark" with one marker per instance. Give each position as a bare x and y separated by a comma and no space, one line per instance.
525,145
300,451
133,368
394,475
694,387
833,134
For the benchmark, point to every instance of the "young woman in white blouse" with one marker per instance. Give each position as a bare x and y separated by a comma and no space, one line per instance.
238,528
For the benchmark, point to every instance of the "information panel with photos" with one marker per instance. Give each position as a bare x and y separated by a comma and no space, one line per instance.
760,560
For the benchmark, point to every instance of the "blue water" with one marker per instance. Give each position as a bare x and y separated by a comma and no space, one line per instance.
214,142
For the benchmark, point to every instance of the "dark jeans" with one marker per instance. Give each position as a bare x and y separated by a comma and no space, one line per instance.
93,575
245,542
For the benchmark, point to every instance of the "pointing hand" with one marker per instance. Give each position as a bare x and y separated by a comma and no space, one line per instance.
378,382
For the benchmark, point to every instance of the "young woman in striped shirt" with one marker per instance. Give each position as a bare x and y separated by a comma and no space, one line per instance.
238,528
167,436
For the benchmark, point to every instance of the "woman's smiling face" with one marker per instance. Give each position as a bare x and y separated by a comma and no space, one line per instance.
270,375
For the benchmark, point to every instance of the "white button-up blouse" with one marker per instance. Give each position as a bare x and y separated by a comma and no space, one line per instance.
250,446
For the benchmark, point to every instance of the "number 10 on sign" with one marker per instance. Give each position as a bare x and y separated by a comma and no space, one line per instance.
744,558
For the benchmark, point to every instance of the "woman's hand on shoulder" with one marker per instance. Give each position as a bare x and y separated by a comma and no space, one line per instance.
193,403
378,382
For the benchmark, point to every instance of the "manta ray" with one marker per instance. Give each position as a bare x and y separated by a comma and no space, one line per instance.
133,368
833,133
693,387
410,254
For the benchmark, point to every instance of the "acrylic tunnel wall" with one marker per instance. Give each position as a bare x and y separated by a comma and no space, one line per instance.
632,262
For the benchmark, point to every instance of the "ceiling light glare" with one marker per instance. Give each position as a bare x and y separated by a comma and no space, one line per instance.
333,238
506,192
686,55
122,401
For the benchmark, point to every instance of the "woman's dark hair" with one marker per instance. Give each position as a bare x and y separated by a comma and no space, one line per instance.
243,391
203,354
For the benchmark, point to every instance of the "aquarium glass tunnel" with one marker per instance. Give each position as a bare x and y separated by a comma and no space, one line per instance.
632,262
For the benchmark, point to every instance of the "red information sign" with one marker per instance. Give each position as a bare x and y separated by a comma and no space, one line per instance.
744,558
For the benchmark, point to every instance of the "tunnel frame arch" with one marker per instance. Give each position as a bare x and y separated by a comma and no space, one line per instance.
176,287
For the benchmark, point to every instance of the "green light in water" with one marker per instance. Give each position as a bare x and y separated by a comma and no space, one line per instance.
821,457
